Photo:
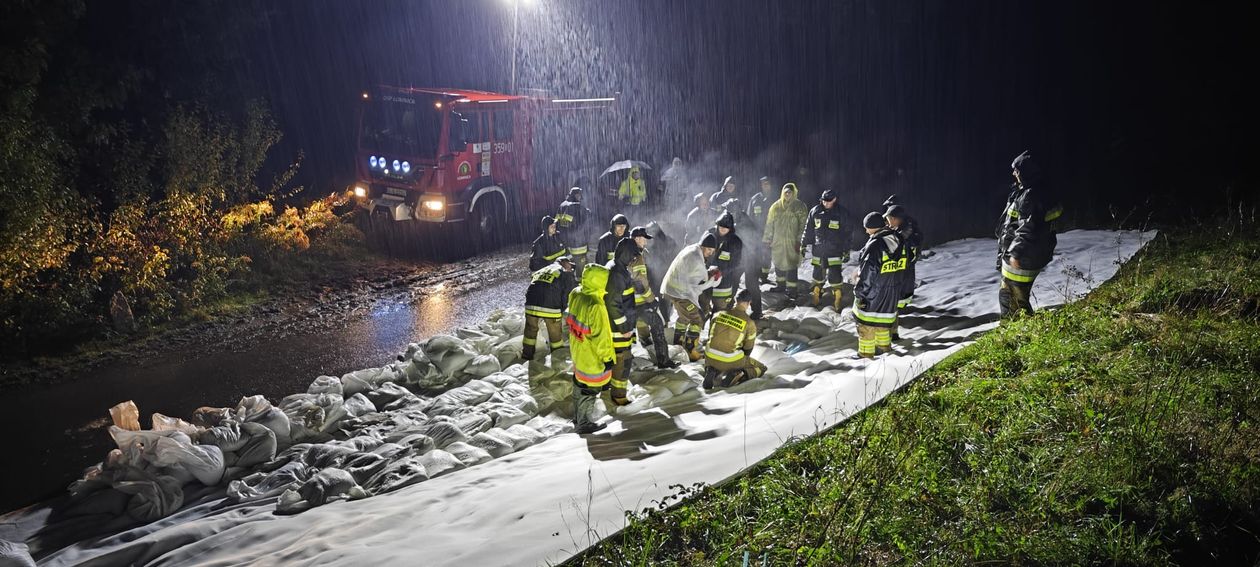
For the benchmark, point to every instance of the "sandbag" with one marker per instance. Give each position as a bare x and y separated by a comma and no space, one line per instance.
15,555
152,498
325,486
468,454
442,433
386,393
326,385
399,474
448,354
482,365
438,462
261,484
473,423
496,445
164,423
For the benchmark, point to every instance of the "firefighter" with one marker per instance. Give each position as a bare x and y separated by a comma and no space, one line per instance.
574,222
827,231
728,355
547,247
664,249
758,208
699,219
1026,236
649,326
878,287
617,228
688,276
726,193
590,345
621,314
912,237
784,223
632,191
749,270
545,298
729,259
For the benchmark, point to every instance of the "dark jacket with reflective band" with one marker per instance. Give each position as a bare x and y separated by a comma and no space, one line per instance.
729,258
731,336
620,301
758,208
719,198
574,221
548,291
827,230
545,251
642,280
1026,229
880,284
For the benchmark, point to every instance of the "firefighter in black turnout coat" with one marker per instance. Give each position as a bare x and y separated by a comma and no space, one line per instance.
912,237
545,300
827,232
619,298
879,285
1026,236
547,247
729,259
617,229
574,222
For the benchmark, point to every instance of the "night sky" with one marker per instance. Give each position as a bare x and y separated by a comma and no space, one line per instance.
1127,104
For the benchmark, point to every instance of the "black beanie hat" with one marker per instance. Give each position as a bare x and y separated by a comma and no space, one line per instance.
575,192
727,220
896,211
640,231
873,220
709,241
547,221
743,295
828,195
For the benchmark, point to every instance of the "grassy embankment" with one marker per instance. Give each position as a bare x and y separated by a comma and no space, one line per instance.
1120,429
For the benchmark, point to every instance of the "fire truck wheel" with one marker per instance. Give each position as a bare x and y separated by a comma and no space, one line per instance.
488,224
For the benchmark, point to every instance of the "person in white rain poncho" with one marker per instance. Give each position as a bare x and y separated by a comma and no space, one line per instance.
686,279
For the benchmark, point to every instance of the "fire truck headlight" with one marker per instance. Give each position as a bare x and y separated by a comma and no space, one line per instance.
396,166
372,161
406,167
360,191
433,205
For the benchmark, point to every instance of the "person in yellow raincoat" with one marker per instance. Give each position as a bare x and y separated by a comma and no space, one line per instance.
590,345
784,225
633,192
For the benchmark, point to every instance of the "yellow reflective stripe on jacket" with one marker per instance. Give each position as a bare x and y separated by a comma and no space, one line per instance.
564,218
1018,275
1054,213
552,257
544,312
724,292
727,255
722,356
872,317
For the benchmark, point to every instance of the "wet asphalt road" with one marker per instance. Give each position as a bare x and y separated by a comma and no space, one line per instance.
56,431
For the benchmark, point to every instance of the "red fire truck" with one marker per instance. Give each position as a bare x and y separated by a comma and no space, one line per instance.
475,165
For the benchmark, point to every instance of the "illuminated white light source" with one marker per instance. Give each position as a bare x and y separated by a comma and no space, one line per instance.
396,165
372,161
360,191
437,105
584,100
491,101
365,96
433,205
406,168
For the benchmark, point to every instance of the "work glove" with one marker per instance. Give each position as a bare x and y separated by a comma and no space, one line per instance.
714,273
608,365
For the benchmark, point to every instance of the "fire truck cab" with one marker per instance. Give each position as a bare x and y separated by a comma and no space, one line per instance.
475,162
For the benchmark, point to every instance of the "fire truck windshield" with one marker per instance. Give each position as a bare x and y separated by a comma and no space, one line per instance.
401,126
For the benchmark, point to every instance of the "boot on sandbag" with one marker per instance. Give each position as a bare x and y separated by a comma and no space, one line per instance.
815,296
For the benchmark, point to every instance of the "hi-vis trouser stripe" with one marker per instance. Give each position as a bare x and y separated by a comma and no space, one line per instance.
871,338
905,302
543,312
722,356
722,292
577,250
1018,275
873,318
836,261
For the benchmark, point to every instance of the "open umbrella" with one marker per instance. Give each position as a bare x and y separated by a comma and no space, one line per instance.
625,164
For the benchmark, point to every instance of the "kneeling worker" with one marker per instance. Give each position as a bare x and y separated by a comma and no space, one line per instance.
591,345
731,338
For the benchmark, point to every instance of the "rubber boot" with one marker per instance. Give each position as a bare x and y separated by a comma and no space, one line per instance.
527,352
693,348
815,296
836,304
733,377
710,375
618,397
